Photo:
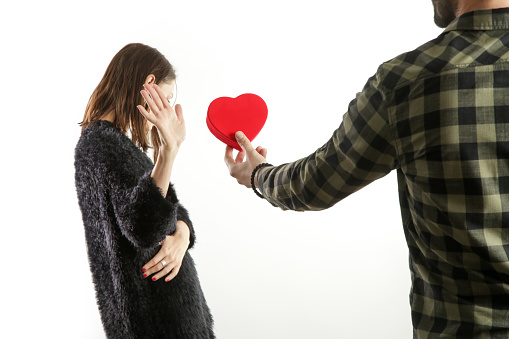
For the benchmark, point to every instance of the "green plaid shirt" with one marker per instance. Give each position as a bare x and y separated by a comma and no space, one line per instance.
439,115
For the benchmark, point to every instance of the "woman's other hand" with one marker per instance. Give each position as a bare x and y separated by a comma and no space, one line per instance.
169,123
172,251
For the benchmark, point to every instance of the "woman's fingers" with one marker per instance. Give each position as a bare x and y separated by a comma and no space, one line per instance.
156,267
160,271
146,114
163,269
173,273
154,264
155,97
171,267
179,112
160,265
153,269
160,95
152,98
150,102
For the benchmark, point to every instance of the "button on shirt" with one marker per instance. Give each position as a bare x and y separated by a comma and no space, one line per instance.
439,116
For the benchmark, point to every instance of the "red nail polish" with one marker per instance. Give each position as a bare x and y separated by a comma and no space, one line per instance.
144,269
154,279
144,275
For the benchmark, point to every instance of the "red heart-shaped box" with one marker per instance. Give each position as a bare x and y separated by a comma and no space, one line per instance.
246,113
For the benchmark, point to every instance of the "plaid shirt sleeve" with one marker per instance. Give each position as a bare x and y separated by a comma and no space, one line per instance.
360,151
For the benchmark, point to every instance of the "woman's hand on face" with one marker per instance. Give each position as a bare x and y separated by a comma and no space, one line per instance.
172,251
170,123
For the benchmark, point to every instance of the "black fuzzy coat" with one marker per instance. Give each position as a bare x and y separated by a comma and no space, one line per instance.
125,217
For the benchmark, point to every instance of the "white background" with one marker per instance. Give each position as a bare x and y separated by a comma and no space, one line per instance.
340,273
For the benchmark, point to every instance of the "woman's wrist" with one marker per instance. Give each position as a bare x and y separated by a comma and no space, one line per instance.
182,230
161,173
169,151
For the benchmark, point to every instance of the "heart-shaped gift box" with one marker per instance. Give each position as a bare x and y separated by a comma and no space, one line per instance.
225,116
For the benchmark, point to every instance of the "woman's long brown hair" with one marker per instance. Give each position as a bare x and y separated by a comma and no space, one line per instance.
119,91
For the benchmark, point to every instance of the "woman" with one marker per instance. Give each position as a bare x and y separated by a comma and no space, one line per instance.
136,230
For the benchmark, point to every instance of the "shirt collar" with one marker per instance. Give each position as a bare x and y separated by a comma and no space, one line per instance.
482,20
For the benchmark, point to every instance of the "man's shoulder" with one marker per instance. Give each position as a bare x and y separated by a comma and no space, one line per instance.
450,51
424,61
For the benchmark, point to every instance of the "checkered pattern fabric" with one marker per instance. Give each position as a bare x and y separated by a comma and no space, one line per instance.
439,115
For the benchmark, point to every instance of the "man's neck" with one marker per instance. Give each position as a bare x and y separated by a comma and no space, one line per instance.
465,6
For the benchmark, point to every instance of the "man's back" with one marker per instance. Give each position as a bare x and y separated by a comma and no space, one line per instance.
450,116
439,115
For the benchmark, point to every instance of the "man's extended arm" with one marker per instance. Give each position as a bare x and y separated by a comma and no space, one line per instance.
360,151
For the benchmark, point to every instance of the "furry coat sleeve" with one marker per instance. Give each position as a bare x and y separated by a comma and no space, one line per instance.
144,216
123,174
182,214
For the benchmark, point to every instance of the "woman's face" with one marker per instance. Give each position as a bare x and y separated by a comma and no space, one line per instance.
168,89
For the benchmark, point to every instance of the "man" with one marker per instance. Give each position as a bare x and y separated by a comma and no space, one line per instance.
439,115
